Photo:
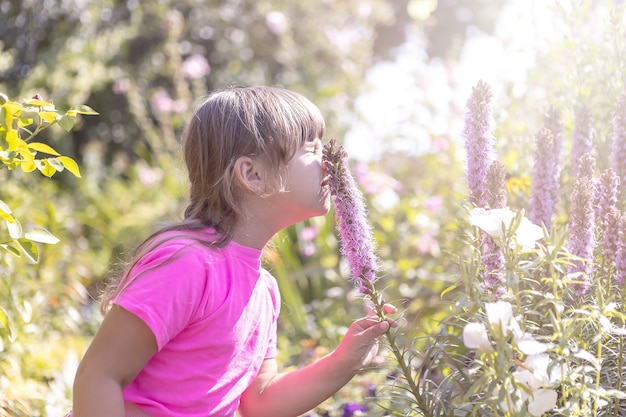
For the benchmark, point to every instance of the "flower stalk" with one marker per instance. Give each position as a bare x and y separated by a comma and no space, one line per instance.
357,245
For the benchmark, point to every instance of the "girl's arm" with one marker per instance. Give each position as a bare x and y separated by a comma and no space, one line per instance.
121,348
294,393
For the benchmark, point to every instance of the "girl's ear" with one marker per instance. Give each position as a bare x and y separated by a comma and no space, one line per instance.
250,174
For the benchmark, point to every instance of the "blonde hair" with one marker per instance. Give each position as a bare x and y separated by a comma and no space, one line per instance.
260,122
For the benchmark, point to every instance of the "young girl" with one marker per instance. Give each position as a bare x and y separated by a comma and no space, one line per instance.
190,329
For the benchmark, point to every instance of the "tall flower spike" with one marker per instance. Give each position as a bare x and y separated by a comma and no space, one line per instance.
582,222
542,197
479,141
553,121
357,242
582,137
492,256
610,235
620,258
606,196
618,149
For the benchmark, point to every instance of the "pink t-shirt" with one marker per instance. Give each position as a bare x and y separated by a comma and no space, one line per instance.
213,313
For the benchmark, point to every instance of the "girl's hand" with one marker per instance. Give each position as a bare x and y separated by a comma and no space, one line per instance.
359,347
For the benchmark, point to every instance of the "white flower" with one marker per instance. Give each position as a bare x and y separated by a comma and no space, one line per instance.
528,378
528,233
500,313
491,221
494,221
475,337
541,401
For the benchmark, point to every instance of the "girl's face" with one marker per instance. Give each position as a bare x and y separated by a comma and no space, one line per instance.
305,193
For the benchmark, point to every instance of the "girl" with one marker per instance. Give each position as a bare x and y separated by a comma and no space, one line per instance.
190,329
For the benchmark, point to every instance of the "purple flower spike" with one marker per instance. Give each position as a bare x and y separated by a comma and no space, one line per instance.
610,235
582,137
620,258
618,149
542,196
553,121
606,196
492,256
357,242
582,222
479,141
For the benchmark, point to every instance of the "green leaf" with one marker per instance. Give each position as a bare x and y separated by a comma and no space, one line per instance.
39,234
56,164
38,103
4,208
70,165
15,228
6,323
29,248
83,109
28,166
11,249
42,147
66,122
44,166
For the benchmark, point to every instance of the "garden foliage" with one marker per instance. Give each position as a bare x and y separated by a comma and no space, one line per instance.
144,64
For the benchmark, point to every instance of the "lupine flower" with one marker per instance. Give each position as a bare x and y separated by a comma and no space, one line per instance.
620,258
582,137
582,221
542,198
618,149
479,141
357,242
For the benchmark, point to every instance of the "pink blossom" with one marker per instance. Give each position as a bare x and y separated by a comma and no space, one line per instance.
195,66
276,22
162,102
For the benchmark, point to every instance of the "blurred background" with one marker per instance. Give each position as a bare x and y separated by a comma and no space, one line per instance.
391,78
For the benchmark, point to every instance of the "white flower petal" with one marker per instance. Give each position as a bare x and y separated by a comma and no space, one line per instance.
475,337
541,401
527,378
491,221
499,313
528,233
529,346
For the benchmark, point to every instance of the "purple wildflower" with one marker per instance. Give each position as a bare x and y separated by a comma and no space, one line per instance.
542,198
610,235
492,256
357,242
618,150
582,137
351,409
554,123
606,196
581,228
479,141
495,195
620,258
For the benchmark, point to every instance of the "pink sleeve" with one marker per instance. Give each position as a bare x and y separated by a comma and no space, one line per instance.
165,289
272,286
